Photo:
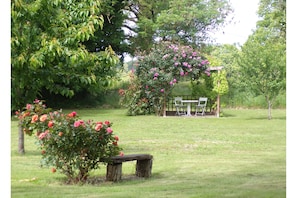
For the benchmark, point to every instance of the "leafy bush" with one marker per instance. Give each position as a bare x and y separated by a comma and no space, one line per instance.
133,99
68,143
160,70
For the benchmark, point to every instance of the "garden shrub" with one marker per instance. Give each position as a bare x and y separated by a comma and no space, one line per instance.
69,144
160,70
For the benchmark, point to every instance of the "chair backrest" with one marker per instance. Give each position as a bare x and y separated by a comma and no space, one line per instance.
202,101
178,100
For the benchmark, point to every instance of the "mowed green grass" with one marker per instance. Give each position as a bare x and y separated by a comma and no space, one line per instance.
240,155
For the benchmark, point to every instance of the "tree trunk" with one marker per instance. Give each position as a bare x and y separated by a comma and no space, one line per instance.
83,175
21,146
164,106
218,98
218,106
269,110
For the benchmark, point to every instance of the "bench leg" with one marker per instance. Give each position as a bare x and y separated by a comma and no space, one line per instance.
144,168
114,172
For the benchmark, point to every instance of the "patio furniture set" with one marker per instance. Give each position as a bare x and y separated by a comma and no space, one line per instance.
183,107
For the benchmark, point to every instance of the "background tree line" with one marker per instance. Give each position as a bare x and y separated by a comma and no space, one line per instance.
70,53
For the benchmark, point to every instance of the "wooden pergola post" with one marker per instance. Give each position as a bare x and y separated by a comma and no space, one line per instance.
218,97
218,100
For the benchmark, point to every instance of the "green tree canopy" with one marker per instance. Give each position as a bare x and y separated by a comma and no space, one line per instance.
112,33
188,22
263,66
227,56
47,51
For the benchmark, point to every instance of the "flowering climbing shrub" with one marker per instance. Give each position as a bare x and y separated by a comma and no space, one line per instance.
67,143
162,68
133,98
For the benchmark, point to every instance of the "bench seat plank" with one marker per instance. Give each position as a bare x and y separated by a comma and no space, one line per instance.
131,157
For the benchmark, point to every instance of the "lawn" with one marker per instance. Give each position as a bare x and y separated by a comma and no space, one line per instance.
239,155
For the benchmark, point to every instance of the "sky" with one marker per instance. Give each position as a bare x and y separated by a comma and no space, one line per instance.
244,21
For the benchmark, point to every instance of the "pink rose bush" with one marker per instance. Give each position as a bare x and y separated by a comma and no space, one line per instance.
158,72
69,144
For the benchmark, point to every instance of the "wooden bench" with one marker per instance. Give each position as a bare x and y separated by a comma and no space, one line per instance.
143,166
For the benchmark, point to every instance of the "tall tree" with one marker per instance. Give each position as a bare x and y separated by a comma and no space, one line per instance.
141,22
273,13
112,33
188,22
47,51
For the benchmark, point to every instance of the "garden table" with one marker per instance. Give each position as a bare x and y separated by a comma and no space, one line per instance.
188,102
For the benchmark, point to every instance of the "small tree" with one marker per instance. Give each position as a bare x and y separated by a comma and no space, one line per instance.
263,66
160,70
220,87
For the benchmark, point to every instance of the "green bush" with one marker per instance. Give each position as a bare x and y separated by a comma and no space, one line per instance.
156,75
69,144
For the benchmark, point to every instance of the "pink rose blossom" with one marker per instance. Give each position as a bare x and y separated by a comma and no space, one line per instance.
43,135
107,122
98,127
34,118
116,138
72,114
28,106
50,124
109,130
78,123
43,118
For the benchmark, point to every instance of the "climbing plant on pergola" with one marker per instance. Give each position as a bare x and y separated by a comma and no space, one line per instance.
162,68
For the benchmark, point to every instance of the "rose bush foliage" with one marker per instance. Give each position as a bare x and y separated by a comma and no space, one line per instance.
132,98
161,69
67,143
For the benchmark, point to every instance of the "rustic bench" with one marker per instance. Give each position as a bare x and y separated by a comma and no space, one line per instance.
143,166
